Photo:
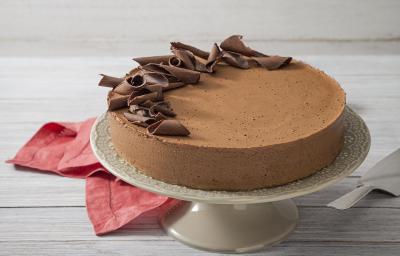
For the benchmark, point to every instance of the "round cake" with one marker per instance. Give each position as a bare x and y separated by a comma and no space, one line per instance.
249,128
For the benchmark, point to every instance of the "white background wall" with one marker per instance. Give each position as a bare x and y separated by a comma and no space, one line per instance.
128,28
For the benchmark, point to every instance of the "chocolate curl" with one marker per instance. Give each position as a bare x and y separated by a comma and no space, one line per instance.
155,87
170,86
137,81
273,62
168,127
150,108
155,82
188,59
155,78
139,110
175,61
184,75
235,59
235,44
159,108
139,120
110,81
157,68
213,58
153,59
181,74
159,116
116,101
196,51
124,88
148,104
147,80
136,100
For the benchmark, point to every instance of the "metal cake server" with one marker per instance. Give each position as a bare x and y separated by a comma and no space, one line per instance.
385,175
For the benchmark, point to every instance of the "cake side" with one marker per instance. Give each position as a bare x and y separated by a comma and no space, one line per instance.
226,168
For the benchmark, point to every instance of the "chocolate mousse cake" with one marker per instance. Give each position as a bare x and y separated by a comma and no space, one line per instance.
228,119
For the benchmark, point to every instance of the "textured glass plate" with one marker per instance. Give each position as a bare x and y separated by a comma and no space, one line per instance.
356,147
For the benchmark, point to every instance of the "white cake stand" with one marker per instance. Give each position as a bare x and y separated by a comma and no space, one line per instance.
235,222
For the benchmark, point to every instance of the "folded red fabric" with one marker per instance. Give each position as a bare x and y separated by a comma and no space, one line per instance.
64,148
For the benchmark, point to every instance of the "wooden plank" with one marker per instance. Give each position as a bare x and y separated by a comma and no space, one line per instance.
316,224
89,67
32,189
170,247
119,48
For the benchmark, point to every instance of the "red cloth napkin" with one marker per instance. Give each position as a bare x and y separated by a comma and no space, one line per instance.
64,148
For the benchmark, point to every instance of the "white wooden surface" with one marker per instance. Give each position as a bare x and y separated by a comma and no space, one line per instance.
130,27
43,214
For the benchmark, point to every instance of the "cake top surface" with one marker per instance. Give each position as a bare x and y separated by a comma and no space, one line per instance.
256,107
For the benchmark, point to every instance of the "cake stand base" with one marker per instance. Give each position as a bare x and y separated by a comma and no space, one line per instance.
231,228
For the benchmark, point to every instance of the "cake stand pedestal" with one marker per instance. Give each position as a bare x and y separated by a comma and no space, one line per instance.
231,227
235,222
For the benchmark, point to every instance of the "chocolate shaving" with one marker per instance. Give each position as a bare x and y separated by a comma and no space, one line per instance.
148,104
175,61
124,88
136,100
157,68
155,87
137,93
273,62
151,109
116,101
188,60
110,81
235,59
139,110
186,57
184,75
196,51
159,116
168,127
169,86
159,108
213,58
155,78
137,81
139,120
153,59
148,80
235,44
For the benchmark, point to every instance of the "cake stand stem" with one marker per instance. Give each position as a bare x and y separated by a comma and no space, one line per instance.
231,228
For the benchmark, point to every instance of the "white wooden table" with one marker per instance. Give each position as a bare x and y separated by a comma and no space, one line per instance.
43,214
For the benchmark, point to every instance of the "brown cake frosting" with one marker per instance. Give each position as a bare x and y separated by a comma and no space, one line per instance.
250,129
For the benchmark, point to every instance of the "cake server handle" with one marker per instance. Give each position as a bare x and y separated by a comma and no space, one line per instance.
348,200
